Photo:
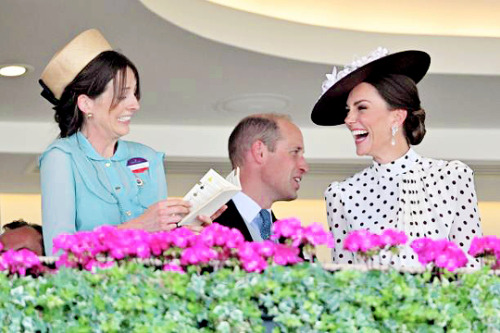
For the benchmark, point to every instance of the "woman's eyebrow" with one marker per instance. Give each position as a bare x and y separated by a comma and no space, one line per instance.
361,100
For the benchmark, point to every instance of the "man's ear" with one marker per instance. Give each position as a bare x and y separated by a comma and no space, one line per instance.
85,103
258,151
399,116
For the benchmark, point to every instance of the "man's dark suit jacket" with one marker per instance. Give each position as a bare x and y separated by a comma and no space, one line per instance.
231,218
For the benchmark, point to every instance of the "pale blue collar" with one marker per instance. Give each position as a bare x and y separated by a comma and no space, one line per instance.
120,154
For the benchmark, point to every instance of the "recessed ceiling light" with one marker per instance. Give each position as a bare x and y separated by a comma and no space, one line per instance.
254,103
13,70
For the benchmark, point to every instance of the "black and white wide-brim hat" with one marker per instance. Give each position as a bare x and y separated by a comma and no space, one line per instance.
330,109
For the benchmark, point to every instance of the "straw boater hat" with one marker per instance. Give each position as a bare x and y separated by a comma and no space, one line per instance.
69,61
331,106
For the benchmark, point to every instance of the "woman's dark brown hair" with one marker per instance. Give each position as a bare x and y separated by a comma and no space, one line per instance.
92,81
400,92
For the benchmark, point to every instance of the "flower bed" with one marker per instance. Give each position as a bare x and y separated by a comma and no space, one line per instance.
216,281
301,298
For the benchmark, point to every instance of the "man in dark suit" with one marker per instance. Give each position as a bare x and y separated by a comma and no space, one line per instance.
269,150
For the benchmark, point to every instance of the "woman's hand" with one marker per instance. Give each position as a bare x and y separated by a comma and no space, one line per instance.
161,216
205,220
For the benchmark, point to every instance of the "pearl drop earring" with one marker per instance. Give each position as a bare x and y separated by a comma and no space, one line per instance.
394,130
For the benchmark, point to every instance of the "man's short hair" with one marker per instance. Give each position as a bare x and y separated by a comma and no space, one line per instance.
263,127
22,223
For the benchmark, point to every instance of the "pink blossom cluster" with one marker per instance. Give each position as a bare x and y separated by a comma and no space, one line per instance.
20,262
392,238
442,253
256,256
90,249
215,246
487,247
291,229
172,267
366,242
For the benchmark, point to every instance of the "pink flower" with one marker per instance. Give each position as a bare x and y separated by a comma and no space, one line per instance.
299,236
3,264
105,264
362,241
61,242
418,245
483,246
487,247
20,261
234,239
393,238
142,250
207,236
64,261
246,250
315,235
254,264
159,243
265,248
190,257
198,254
89,265
428,249
250,258
287,228
181,237
451,257
170,267
216,235
441,252
285,255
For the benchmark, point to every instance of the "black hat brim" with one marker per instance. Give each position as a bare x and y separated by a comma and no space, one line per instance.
331,110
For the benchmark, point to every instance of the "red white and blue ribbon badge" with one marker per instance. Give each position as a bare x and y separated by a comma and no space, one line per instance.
138,165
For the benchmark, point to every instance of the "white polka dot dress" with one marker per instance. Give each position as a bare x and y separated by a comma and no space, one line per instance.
420,196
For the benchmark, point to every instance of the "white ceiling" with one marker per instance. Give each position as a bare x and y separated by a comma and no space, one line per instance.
184,76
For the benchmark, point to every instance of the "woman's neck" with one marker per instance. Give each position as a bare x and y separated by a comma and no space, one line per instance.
103,145
392,153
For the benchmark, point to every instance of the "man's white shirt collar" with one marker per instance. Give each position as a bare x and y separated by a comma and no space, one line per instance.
249,209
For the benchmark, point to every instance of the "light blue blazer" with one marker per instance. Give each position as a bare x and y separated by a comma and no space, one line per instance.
82,190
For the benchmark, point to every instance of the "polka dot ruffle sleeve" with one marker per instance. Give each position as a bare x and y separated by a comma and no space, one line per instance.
337,223
466,222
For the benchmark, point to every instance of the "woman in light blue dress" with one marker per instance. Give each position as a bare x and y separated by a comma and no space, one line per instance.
89,177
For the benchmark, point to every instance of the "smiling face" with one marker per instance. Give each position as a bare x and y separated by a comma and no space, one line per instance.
111,114
370,120
285,166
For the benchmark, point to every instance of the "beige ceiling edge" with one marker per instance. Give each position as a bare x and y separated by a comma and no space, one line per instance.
477,18
450,55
